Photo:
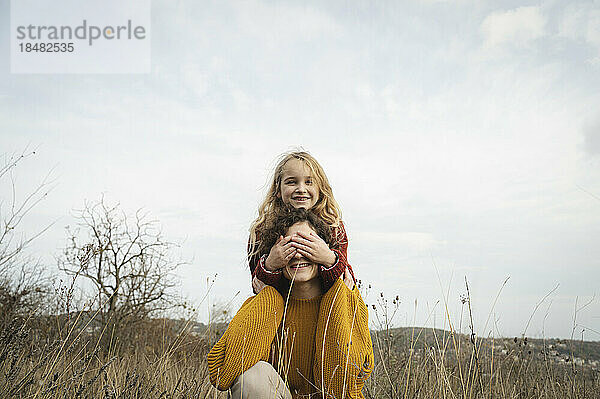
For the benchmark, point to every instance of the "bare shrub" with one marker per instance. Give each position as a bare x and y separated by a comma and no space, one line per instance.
127,262
24,284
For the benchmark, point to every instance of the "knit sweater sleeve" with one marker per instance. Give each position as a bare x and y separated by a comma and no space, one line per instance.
344,351
247,339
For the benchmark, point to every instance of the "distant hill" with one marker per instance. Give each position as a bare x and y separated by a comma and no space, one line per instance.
403,338
559,350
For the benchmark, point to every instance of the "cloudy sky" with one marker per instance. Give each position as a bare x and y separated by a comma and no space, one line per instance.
462,139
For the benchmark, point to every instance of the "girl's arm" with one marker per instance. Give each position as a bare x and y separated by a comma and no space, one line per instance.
331,274
344,351
258,269
266,276
247,339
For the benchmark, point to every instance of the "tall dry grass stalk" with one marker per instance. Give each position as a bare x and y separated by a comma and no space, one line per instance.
36,365
434,363
70,356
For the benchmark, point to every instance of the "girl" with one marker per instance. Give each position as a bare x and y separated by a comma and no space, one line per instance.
311,344
298,182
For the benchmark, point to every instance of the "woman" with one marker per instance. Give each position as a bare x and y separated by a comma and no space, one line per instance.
308,343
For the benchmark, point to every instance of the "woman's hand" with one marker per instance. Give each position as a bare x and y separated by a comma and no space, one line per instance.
280,254
313,248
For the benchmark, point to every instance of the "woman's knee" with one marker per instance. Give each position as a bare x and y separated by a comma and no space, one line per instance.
260,380
257,376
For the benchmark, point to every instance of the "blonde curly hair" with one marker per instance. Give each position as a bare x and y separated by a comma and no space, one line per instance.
326,206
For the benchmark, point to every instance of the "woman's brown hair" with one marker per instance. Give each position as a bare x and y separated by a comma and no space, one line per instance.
278,223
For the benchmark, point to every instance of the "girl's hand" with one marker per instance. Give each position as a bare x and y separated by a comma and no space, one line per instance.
280,254
257,285
347,279
313,248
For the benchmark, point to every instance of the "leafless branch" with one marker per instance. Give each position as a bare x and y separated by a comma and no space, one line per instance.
126,259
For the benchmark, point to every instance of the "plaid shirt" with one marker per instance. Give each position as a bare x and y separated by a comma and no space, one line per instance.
329,275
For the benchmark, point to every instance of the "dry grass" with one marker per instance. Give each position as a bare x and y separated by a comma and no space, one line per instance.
161,360
56,357
431,363
446,365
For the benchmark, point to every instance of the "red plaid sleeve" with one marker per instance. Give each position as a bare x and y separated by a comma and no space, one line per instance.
258,270
266,276
331,274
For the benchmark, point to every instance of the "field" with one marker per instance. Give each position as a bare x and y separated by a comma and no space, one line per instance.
75,356
116,341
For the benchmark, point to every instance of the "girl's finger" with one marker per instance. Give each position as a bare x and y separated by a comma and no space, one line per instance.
284,240
302,246
290,255
316,237
256,285
287,245
305,244
304,249
309,237
302,241
306,254
348,280
289,251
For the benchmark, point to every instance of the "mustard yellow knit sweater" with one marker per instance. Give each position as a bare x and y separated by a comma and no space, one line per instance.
326,342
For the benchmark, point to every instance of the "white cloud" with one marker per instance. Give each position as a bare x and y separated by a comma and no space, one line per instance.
582,22
413,240
591,137
518,26
284,23
431,149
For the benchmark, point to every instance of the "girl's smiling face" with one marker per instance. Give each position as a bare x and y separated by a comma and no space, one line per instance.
299,268
298,187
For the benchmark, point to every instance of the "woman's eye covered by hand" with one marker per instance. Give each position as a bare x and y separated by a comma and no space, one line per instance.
311,240
286,247
288,250
309,237
312,247
280,253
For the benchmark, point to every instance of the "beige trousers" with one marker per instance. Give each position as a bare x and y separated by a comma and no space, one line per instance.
260,381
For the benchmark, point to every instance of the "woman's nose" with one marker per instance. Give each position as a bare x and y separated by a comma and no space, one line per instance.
297,255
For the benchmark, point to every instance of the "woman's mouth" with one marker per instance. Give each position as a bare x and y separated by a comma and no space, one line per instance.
300,199
300,265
